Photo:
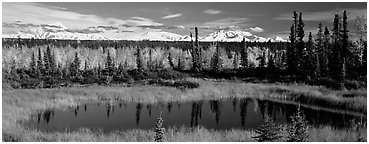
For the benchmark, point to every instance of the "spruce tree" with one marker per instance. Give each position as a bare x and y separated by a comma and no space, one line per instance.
271,63
47,64
336,48
139,59
268,131
344,50
216,61
300,43
40,66
74,67
244,54
236,58
298,131
32,65
196,54
291,54
159,130
170,60
109,64
262,62
325,51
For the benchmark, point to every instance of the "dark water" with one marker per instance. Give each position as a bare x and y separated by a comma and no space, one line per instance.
215,114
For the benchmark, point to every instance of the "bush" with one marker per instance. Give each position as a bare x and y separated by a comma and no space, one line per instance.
327,82
353,85
31,83
186,84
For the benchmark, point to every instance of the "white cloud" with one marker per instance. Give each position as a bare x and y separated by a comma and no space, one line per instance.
212,11
172,16
257,29
41,14
226,22
141,21
38,14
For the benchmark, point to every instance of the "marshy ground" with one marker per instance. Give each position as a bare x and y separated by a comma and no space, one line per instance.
20,104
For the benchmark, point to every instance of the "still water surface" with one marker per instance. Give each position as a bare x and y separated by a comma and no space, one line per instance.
214,114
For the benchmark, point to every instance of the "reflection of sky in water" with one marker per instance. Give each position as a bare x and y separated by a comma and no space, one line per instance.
232,113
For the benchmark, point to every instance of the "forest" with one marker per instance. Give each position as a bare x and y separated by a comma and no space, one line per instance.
329,58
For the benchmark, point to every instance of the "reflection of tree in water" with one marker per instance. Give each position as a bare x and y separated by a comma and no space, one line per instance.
262,107
234,103
107,112
196,113
215,106
169,107
149,108
85,107
75,112
138,112
243,110
47,115
39,117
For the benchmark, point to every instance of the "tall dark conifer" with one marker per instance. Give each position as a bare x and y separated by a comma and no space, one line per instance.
300,43
244,54
291,55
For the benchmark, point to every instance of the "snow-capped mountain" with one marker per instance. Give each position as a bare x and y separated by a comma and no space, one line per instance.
59,31
237,36
55,31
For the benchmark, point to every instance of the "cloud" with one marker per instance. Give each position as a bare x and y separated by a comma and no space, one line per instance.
141,21
212,11
257,29
226,22
42,14
172,16
324,15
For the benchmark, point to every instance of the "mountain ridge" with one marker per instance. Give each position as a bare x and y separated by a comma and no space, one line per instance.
59,31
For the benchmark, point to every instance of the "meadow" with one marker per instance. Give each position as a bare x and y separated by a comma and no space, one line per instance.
19,104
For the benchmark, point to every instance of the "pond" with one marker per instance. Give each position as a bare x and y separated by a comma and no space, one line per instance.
214,114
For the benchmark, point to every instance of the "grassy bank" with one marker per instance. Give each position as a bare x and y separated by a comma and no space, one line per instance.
18,105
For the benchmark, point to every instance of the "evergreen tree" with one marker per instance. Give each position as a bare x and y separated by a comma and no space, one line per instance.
236,60
74,67
216,61
32,65
300,43
244,54
324,55
262,58
311,61
336,48
170,60
291,54
40,66
271,63
139,59
53,64
150,64
298,131
268,131
159,130
196,53
109,64
47,64
344,50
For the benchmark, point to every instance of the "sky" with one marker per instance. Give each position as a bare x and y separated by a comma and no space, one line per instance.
265,18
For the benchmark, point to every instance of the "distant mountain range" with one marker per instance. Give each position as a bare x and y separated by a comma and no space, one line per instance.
58,31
